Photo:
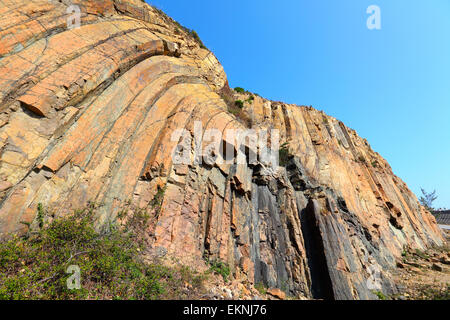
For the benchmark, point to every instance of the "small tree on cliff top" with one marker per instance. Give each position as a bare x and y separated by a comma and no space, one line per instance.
427,199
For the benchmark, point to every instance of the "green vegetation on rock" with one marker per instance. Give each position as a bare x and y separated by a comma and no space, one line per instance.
239,104
111,264
262,289
220,268
284,154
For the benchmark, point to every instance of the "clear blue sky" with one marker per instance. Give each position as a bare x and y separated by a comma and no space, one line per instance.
391,85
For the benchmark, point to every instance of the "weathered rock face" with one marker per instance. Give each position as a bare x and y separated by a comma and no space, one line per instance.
88,115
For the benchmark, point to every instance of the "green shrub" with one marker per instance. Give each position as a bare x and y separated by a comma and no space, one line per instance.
40,215
361,159
239,104
239,90
380,295
284,154
111,265
220,268
196,37
157,200
236,109
262,289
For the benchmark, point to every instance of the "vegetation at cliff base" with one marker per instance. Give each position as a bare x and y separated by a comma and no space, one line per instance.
262,289
220,268
380,295
111,264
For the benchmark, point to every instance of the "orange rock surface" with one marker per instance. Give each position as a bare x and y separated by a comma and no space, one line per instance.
88,115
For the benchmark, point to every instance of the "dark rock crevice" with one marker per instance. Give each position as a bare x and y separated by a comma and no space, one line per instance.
321,285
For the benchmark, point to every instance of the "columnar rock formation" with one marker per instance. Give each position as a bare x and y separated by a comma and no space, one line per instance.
88,113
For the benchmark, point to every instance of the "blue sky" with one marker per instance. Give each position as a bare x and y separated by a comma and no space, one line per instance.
391,85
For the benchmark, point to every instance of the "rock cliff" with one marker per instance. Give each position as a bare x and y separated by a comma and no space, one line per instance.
88,116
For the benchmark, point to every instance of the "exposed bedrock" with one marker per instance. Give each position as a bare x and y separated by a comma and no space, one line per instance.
88,115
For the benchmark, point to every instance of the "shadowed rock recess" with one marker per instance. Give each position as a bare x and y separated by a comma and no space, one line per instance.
87,116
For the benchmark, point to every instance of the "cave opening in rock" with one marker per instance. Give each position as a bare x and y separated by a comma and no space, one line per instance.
321,285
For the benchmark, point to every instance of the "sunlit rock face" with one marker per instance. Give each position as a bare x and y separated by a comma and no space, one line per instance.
88,115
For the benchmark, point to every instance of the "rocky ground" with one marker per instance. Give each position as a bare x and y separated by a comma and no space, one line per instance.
217,289
419,276
424,275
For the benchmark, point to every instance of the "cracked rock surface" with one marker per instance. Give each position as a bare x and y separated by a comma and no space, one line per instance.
87,115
